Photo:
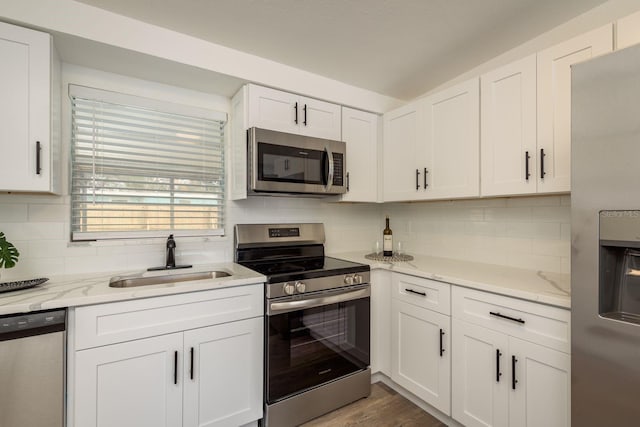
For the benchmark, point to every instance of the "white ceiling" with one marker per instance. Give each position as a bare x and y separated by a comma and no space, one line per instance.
399,48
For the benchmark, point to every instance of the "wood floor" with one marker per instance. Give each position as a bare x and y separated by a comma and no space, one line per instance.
383,408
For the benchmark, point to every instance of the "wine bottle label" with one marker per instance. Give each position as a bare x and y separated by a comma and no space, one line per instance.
387,245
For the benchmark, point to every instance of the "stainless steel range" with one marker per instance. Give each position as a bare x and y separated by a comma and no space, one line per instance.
317,321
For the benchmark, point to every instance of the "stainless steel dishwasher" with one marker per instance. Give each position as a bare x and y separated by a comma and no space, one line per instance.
32,369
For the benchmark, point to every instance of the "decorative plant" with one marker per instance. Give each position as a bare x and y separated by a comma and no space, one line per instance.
8,253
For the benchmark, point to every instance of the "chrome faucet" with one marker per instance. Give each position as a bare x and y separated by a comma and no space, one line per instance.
171,253
170,259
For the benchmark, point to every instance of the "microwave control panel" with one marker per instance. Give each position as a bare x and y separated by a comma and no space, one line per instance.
338,169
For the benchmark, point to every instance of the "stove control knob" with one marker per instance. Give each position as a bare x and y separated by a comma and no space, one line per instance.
301,287
348,279
357,278
288,288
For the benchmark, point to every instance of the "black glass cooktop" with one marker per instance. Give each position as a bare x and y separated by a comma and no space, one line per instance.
299,269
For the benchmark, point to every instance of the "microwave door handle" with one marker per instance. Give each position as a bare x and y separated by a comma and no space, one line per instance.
330,174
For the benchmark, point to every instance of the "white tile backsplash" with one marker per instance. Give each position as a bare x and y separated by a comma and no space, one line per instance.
525,232
530,232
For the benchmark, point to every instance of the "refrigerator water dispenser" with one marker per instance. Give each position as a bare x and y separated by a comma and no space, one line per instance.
620,265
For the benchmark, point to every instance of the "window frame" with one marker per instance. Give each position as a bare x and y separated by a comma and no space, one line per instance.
101,95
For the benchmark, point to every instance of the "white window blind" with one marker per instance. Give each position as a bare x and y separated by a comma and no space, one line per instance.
141,169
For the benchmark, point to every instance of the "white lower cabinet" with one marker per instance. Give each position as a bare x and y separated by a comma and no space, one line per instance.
479,378
542,395
500,379
420,342
202,376
225,382
129,384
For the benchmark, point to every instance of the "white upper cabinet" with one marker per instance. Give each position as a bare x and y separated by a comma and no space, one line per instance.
29,146
262,107
508,130
360,133
431,146
450,152
628,31
287,112
403,130
554,104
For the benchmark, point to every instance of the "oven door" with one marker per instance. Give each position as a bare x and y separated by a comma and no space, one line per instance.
288,163
315,340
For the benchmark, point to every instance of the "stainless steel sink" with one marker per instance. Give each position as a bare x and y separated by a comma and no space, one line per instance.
131,281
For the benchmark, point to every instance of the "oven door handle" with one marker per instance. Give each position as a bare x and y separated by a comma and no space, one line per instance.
331,169
285,307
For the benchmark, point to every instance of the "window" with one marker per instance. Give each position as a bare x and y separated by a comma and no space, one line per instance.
142,168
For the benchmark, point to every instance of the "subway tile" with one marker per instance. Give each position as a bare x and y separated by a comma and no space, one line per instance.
555,248
552,213
17,212
510,214
48,212
53,248
533,201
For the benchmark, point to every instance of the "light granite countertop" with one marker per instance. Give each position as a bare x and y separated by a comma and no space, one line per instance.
538,286
86,289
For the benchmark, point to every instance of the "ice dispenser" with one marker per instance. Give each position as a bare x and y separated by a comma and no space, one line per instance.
620,265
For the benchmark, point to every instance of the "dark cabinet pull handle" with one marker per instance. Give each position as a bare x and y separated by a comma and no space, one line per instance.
542,172
347,181
424,294
305,115
417,179
295,108
502,316
526,165
38,153
441,346
498,373
514,381
175,367
191,368
424,177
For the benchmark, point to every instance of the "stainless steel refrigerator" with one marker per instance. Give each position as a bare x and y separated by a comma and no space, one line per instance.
605,240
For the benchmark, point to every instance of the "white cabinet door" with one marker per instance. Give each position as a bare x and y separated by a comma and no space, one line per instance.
449,153
420,360
480,376
273,109
554,105
132,384
360,133
287,112
381,322
403,131
508,131
223,374
628,31
542,395
320,119
25,133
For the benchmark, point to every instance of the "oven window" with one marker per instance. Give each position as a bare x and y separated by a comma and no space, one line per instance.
309,347
290,164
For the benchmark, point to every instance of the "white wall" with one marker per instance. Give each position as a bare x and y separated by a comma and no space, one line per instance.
39,225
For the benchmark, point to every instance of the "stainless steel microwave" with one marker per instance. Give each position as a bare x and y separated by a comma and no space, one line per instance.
285,163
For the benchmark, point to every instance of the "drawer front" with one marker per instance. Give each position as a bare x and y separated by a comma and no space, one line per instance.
110,323
538,323
422,292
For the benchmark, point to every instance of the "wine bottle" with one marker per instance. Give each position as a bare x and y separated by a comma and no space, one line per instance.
387,240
